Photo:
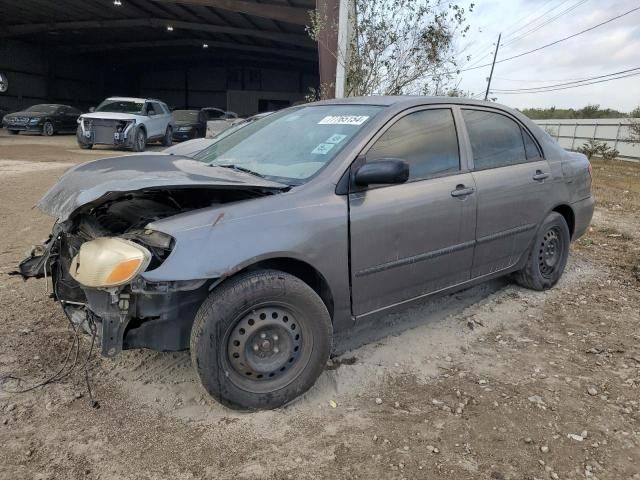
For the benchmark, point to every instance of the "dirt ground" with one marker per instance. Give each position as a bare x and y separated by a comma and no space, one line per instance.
496,382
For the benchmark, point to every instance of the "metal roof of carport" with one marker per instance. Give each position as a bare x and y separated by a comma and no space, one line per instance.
274,27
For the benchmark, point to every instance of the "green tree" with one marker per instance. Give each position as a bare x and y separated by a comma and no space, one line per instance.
398,46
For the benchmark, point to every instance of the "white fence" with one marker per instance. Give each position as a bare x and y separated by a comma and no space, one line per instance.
572,133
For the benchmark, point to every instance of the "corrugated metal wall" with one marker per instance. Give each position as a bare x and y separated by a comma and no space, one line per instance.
572,133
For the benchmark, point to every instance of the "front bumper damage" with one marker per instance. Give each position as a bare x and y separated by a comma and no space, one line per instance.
141,314
97,131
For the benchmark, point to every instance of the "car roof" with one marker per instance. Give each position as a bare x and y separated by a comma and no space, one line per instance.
408,100
135,99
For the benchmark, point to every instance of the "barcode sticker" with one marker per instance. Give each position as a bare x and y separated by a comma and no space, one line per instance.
344,120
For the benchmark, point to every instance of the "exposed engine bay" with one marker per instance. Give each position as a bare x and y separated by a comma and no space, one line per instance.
139,313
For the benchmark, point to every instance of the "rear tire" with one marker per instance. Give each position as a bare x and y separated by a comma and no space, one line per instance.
260,340
167,140
85,146
139,141
548,255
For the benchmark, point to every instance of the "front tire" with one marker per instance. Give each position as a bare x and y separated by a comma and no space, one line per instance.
260,340
139,141
548,256
47,129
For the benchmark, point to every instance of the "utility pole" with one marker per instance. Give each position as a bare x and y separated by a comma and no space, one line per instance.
495,54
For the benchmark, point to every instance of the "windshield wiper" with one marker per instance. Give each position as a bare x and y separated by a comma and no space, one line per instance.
238,168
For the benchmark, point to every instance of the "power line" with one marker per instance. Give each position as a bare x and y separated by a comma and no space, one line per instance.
568,87
527,80
537,18
544,24
569,83
485,45
556,42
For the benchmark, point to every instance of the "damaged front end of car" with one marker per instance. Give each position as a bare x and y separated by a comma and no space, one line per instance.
101,247
94,261
99,131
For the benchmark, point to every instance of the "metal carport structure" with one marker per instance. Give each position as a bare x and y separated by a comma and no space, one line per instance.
236,54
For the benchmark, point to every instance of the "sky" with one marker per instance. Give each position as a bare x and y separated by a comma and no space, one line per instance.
607,49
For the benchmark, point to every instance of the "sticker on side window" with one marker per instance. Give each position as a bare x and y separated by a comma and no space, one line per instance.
335,138
344,120
323,148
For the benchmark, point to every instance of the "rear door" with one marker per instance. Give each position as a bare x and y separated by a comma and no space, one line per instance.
513,183
70,116
415,238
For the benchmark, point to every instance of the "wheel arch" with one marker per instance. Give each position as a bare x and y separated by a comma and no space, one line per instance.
300,269
569,215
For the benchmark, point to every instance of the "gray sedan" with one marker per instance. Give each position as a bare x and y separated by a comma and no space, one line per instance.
256,251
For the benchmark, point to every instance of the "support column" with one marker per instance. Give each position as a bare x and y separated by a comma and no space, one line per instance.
328,11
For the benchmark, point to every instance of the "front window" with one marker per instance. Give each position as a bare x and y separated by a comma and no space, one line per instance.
186,115
43,108
120,106
292,145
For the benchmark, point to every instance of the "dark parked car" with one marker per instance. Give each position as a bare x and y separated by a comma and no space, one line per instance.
192,123
46,119
253,253
190,147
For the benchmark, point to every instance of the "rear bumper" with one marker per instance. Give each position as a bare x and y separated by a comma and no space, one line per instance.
583,211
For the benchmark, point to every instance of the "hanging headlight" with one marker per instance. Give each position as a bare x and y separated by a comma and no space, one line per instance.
108,262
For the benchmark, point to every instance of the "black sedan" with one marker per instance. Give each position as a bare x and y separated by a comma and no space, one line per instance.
46,119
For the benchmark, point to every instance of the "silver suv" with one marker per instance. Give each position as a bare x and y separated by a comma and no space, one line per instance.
126,122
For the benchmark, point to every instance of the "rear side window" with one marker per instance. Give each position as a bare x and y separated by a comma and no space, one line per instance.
530,147
496,140
427,140
158,108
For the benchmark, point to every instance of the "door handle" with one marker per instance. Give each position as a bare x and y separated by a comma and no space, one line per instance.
462,191
540,176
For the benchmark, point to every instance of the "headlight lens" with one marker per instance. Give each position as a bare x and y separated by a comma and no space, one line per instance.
108,262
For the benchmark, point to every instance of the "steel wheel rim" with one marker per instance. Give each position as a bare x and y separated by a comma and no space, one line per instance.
265,348
550,252
48,129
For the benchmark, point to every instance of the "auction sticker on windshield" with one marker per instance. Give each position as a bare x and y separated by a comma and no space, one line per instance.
336,138
323,148
344,120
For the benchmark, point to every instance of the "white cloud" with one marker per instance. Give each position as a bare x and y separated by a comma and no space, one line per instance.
607,49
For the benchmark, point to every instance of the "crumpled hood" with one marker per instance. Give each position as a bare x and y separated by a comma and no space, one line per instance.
111,116
89,181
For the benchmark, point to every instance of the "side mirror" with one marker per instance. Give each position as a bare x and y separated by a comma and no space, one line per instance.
92,109
385,171
151,112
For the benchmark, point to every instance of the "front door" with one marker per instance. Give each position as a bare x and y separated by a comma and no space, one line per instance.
415,238
513,188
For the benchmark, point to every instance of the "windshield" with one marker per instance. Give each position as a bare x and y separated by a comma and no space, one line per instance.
120,106
292,145
43,108
186,115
